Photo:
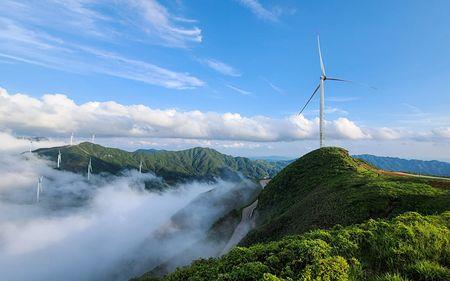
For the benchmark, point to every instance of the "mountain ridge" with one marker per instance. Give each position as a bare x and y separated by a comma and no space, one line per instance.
174,166
415,166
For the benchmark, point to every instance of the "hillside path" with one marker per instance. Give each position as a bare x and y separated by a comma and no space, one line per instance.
420,176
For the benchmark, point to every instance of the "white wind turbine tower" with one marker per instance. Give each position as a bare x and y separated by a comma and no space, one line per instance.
58,162
39,189
321,86
93,138
71,139
89,169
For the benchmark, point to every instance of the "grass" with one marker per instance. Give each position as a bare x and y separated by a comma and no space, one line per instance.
408,247
328,187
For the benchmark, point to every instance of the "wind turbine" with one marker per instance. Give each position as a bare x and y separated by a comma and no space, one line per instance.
89,169
93,138
58,162
321,86
71,139
39,188
140,167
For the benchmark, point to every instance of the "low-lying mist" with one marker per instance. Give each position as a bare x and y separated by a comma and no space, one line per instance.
108,228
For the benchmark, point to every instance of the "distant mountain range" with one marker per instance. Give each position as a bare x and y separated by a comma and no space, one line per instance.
435,168
173,166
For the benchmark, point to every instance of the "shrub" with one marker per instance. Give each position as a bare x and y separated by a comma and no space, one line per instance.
270,277
329,269
252,271
429,271
377,250
390,277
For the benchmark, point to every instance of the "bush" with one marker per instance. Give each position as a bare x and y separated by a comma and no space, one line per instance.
390,277
329,269
252,271
377,250
429,271
270,277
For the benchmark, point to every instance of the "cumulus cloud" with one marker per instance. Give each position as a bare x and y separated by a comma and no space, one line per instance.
58,115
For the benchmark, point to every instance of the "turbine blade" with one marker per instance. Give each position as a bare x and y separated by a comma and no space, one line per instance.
310,98
322,66
350,81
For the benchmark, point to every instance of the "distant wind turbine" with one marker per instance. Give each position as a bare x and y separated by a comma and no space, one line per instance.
321,86
140,167
89,169
71,139
93,138
39,189
58,162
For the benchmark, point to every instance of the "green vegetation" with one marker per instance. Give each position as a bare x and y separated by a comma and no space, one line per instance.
408,247
328,216
328,187
435,168
174,166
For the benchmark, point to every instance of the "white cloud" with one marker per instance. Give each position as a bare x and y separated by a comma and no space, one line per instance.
17,145
21,44
157,20
260,11
347,129
57,115
239,90
443,132
221,67
276,88
144,20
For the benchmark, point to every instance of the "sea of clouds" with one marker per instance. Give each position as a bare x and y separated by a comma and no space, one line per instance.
108,228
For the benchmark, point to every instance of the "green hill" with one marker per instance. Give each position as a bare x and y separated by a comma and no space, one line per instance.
408,247
372,233
328,187
174,166
435,168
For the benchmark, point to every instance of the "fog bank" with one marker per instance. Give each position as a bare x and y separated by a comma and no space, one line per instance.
107,228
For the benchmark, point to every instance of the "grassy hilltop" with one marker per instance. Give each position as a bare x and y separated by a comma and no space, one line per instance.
328,187
328,216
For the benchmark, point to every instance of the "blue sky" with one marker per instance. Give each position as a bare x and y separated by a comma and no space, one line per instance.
257,59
